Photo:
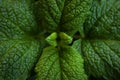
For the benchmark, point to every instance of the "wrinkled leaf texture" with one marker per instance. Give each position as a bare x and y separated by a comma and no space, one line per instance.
63,15
63,63
19,49
21,27
101,46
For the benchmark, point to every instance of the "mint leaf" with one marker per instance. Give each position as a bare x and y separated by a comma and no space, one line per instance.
77,45
65,39
55,64
19,50
59,39
51,39
94,25
105,19
104,56
101,46
17,57
101,57
17,13
63,15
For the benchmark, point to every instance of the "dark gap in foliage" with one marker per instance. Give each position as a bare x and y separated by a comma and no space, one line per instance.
32,75
75,37
93,78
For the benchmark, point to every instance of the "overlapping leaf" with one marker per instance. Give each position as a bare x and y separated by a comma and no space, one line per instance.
104,22
101,46
101,57
17,57
63,15
63,63
18,49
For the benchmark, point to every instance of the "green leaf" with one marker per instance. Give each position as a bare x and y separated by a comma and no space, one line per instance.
63,15
77,45
58,39
65,39
106,57
104,22
51,39
101,46
60,64
102,57
18,48
17,13
17,57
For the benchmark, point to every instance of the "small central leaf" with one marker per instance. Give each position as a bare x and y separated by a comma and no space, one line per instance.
64,39
51,39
